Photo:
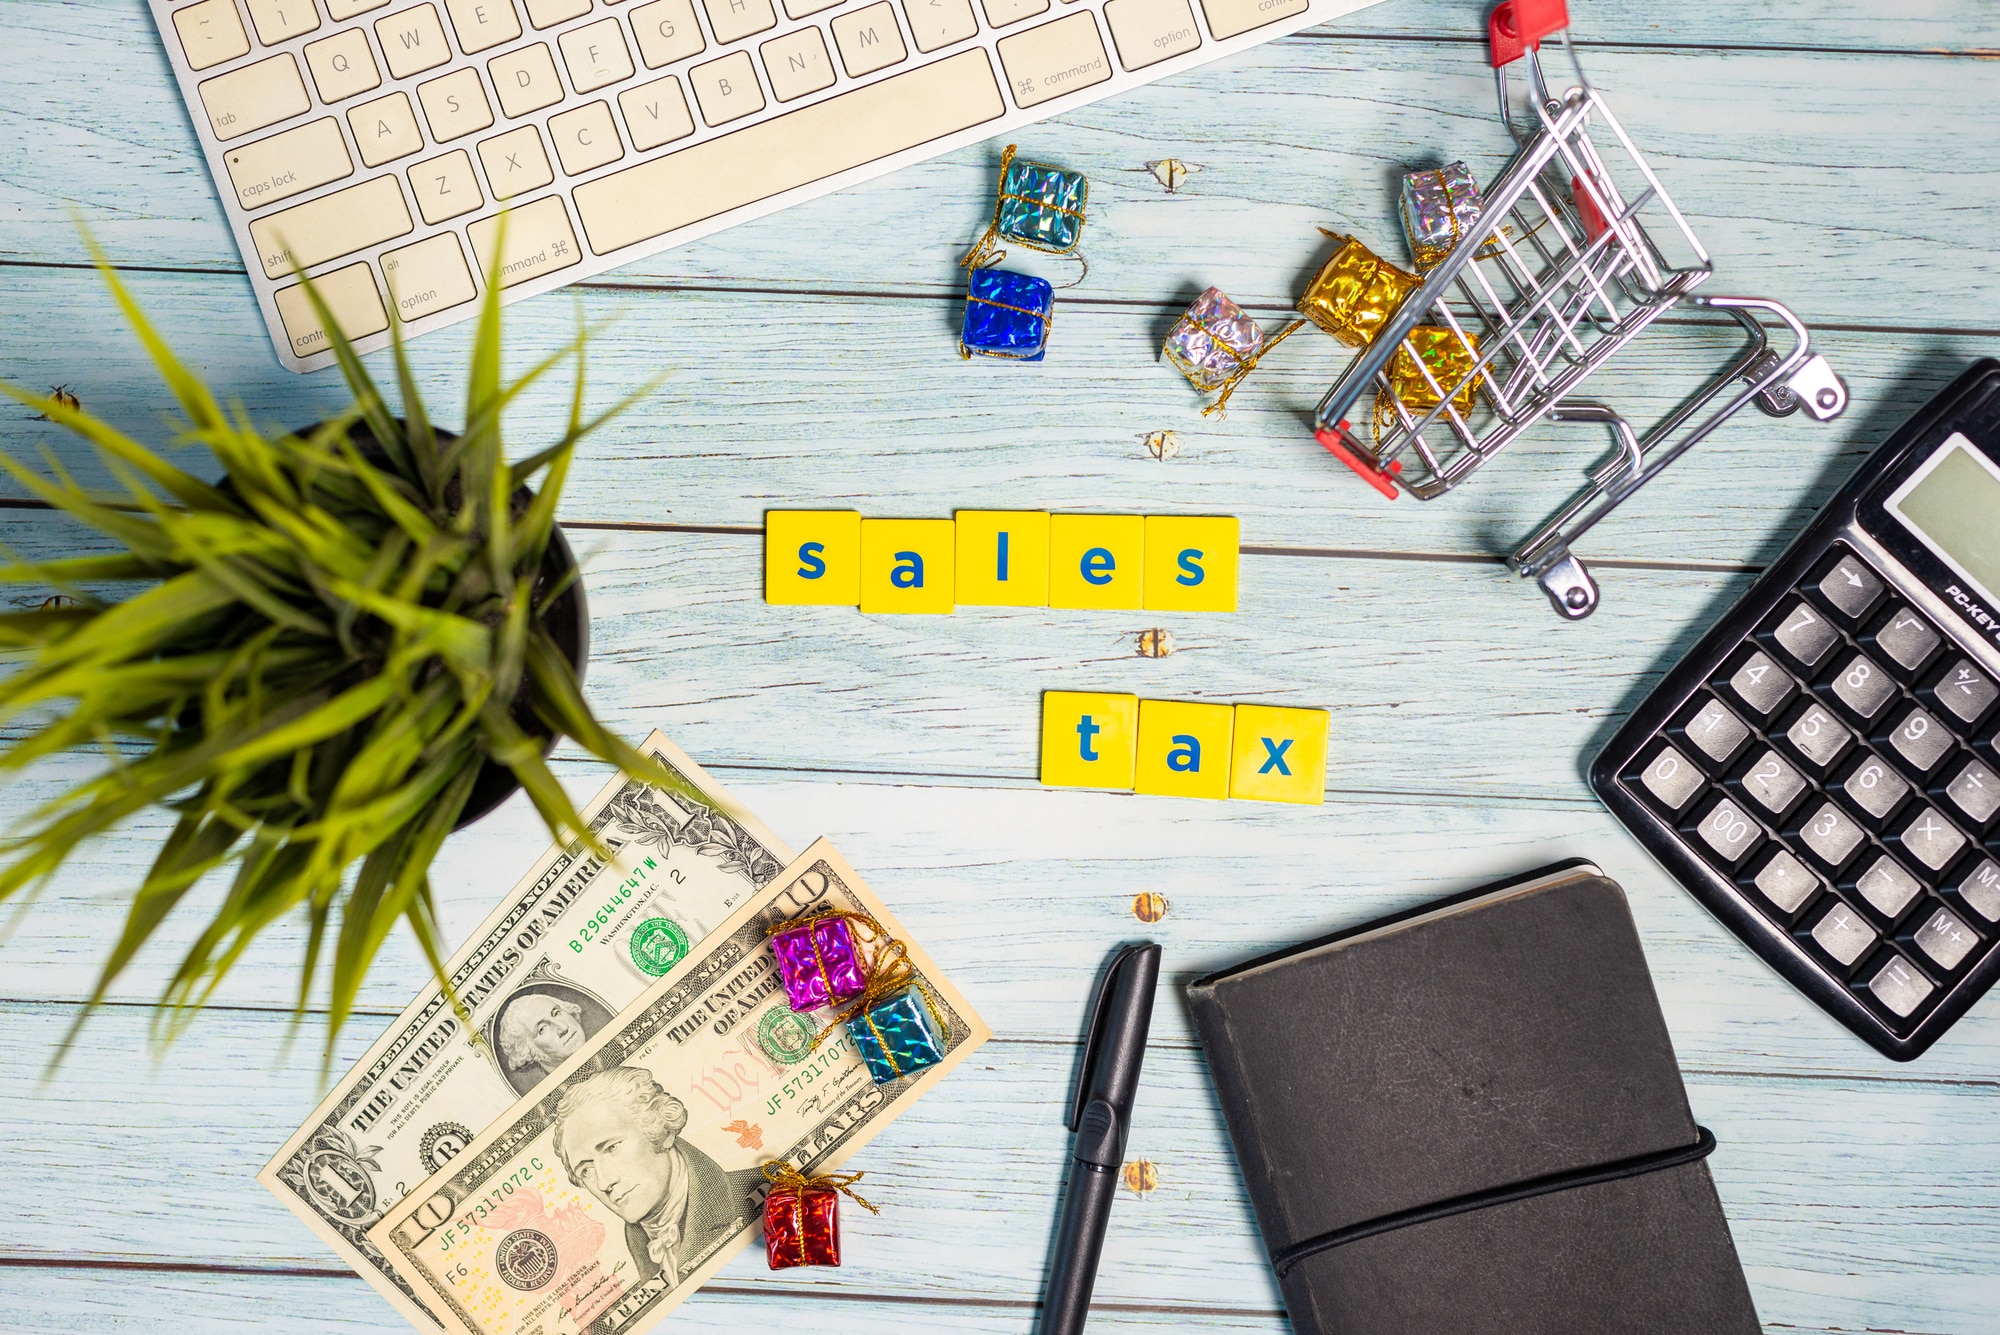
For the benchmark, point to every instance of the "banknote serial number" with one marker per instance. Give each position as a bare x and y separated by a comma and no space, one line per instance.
462,1227
804,1078
595,924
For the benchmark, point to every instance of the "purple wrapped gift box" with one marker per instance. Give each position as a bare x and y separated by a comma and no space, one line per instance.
820,963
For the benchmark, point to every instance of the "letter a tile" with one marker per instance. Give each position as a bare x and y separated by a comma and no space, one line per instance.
1184,749
812,556
907,565
1280,755
1087,739
1191,563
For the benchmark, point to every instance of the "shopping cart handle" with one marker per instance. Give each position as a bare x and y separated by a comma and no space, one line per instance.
1336,441
1517,27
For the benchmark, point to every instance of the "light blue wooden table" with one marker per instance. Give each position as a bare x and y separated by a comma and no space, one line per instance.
1832,155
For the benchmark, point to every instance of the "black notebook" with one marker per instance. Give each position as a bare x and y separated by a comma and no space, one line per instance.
1468,1118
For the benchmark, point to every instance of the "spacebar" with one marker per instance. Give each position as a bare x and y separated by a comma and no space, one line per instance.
788,151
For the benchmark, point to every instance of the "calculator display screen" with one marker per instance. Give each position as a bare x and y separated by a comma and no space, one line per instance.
1952,504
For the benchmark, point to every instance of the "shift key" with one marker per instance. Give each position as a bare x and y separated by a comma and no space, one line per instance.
332,225
1055,58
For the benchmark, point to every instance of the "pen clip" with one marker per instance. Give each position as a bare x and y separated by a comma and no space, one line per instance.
1093,1042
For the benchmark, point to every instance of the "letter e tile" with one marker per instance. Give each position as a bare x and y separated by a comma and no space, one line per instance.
1094,560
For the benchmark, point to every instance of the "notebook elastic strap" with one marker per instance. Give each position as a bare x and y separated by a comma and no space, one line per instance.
1704,1143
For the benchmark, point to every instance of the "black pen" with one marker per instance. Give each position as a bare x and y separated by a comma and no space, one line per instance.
1100,1115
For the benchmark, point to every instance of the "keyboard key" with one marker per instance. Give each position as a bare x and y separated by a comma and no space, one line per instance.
656,113
331,226
1671,779
455,105
585,138
445,187
515,163
525,80
1931,840
733,19
595,55
1786,882
210,32
1818,736
1149,31
254,96
797,64
1731,833
482,23
1863,687
798,9
413,41
1981,890
934,24
1843,935
869,40
1805,634
289,163
1227,18
667,32
342,65
1899,987
1716,732
1761,684
1921,740
1832,835
342,10
539,241
1000,13
548,13
1875,788
428,276
281,20
385,129
727,88
1773,784
795,149
1851,587
1964,691
1888,887
1944,939
1906,639
1056,58
349,293
1975,792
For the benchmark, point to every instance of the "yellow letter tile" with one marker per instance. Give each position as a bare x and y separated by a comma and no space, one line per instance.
1280,755
1003,558
1184,749
906,565
1087,739
812,556
1191,563
1094,560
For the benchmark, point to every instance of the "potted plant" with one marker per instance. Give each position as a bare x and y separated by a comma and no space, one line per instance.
363,636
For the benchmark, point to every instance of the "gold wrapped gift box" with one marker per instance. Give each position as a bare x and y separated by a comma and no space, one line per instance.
1355,293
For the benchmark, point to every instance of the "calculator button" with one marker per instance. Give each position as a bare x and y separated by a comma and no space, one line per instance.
1672,779
1729,832
1805,634
1906,639
1975,792
1851,587
1875,788
1888,887
1944,939
1899,987
1786,882
1716,732
1930,840
1818,736
1981,890
1773,784
1761,684
1920,740
1862,686
1832,835
1964,691
1843,935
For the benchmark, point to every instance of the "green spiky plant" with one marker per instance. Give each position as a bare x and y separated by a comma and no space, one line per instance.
327,647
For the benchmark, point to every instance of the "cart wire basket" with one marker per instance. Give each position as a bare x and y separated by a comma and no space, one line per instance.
1577,252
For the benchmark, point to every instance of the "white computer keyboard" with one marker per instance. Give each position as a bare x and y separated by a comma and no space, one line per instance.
375,143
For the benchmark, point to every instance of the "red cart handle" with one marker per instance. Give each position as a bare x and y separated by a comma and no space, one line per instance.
1339,442
1517,27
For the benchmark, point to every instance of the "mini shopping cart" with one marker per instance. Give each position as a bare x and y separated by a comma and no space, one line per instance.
1563,270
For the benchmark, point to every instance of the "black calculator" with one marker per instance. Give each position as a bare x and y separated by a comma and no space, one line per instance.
1821,770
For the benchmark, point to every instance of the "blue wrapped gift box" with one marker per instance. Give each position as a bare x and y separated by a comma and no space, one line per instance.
1041,206
1007,315
897,1037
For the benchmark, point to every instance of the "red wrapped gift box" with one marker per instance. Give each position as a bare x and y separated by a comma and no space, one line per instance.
802,1226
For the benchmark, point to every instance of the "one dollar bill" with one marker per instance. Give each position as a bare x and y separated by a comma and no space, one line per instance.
608,1196
568,948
